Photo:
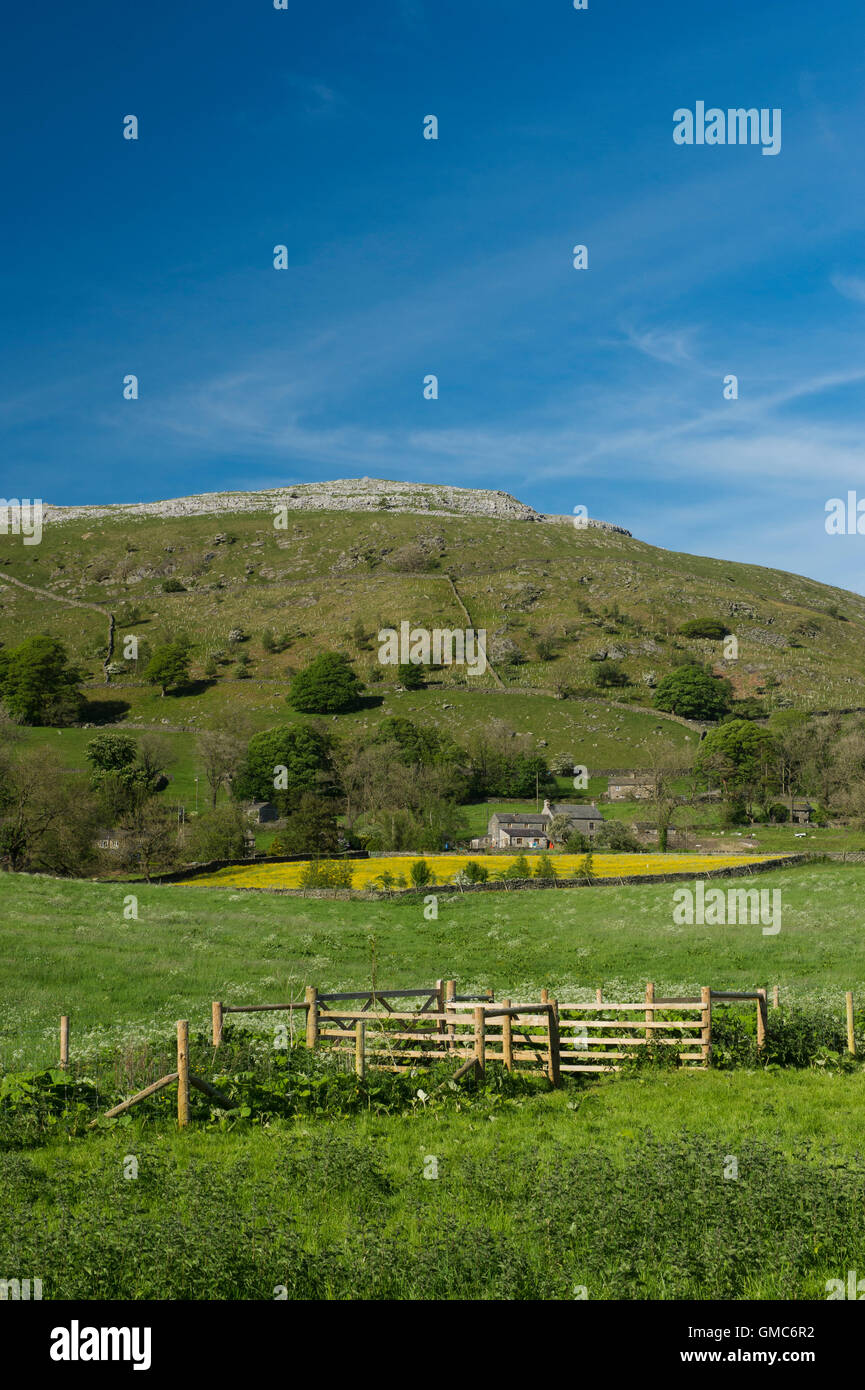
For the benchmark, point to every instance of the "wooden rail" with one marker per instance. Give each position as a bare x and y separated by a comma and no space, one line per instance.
433,995
554,1037
184,1078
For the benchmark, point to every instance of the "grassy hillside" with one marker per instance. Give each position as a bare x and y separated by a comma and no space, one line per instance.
589,591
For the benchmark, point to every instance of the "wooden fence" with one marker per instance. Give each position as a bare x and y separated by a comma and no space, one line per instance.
431,997
548,1036
183,1076
555,1038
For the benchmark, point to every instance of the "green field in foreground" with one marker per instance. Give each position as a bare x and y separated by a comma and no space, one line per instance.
613,1191
610,1188
66,947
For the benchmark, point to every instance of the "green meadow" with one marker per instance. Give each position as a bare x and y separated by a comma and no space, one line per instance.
611,1191
743,1182
68,947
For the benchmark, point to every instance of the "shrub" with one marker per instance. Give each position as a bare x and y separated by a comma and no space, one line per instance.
733,812
545,868
217,834
168,667
326,873
608,674
794,1038
173,586
616,836
421,873
694,693
37,685
475,872
519,869
412,558
778,812
328,685
705,627
748,708
411,676
310,829
586,870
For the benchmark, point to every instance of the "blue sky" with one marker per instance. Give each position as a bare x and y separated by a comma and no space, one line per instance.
601,387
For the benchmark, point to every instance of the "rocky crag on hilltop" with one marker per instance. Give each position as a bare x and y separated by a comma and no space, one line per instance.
344,495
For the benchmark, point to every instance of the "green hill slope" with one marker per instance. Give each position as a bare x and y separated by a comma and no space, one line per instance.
550,597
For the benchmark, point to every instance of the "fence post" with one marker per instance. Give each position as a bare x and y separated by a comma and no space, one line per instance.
182,1074
216,1022
851,1036
440,1003
545,996
761,1019
360,1048
64,1041
312,1016
650,1013
553,1042
507,1038
450,991
706,1020
599,996
775,998
480,1039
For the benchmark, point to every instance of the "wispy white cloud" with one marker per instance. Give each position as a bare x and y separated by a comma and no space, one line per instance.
850,286
674,346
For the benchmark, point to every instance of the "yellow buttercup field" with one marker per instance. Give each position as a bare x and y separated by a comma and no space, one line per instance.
367,872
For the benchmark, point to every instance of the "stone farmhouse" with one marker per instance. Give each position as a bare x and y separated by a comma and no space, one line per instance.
508,830
630,786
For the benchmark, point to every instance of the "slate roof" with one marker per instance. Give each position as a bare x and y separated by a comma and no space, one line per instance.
541,819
